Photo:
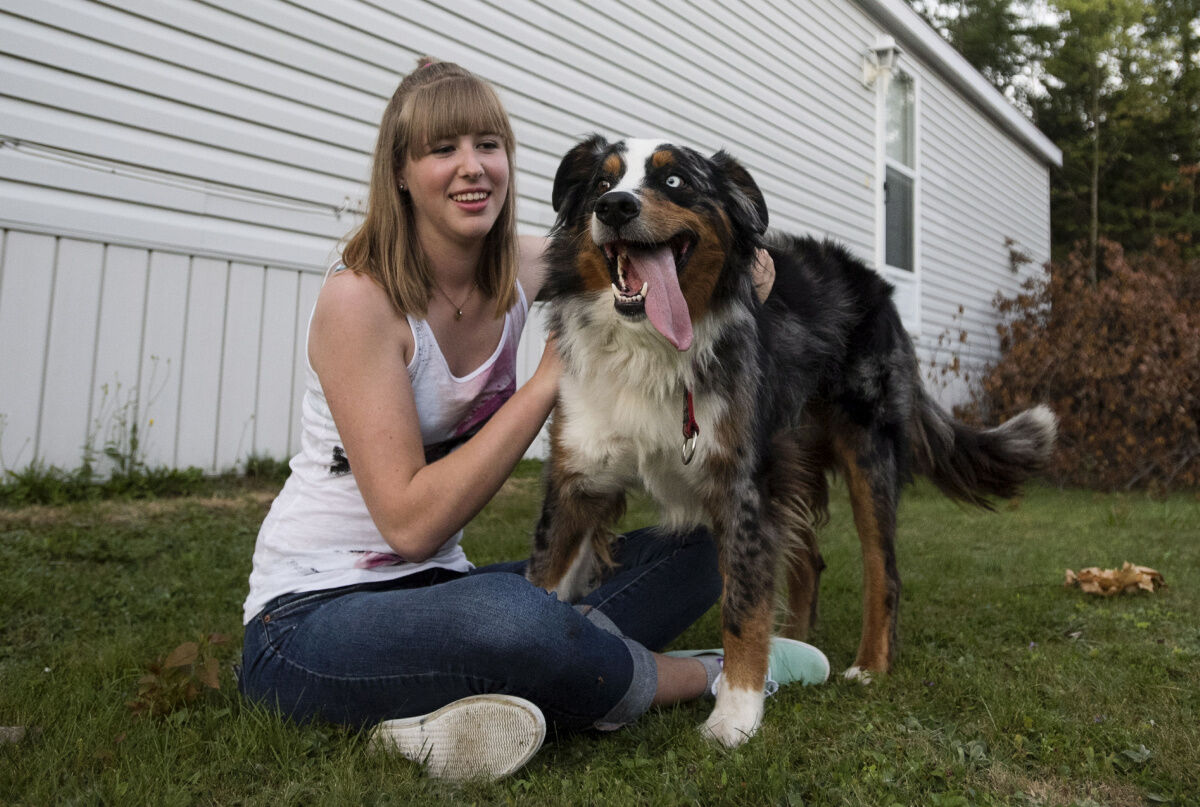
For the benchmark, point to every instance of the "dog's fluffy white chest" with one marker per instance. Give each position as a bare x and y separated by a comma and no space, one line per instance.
622,419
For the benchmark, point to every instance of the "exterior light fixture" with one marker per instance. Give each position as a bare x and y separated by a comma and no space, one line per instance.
880,59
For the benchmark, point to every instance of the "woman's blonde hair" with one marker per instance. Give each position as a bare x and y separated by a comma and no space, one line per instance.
437,100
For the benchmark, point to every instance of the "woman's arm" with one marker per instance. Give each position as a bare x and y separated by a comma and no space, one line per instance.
357,347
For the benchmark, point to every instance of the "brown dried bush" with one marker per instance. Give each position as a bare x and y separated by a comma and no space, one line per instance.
1117,361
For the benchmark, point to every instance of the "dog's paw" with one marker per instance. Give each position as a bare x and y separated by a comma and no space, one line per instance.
859,674
735,718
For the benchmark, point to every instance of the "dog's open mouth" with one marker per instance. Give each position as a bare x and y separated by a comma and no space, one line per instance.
646,283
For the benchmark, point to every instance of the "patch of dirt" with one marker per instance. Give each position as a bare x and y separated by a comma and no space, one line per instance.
522,487
1053,792
128,512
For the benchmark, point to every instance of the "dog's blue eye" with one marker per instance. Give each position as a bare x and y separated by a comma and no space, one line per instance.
674,181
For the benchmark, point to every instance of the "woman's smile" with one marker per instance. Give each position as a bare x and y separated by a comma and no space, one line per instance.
472,201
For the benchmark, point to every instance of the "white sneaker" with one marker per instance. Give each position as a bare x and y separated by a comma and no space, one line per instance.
480,737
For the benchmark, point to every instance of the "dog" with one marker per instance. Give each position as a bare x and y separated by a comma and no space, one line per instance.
650,292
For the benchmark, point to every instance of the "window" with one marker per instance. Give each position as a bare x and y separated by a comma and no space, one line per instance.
899,180
897,177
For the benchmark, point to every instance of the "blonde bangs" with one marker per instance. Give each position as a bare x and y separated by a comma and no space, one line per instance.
449,108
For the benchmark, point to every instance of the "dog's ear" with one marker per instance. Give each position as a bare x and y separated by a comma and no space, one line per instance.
573,173
749,208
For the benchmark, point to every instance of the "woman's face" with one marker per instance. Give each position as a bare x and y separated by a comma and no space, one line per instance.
458,186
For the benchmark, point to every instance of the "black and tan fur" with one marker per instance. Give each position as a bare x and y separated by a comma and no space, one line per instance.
821,377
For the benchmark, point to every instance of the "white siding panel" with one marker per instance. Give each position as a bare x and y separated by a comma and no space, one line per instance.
32,207
201,366
36,170
239,365
979,188
234,28
114,407
25,302
171,154
71,355
310,287
533,342
54,47
272,427
162,355
168,44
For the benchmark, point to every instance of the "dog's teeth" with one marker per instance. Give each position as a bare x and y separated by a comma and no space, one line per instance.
617,291
645,285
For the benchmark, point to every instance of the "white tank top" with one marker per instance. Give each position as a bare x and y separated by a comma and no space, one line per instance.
319,534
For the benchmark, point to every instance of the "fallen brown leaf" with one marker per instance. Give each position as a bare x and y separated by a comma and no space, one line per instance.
1110,582
185,654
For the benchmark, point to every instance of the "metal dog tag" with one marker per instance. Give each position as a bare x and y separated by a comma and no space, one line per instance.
689,449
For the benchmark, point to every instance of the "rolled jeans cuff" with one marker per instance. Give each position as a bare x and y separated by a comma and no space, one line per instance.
642,684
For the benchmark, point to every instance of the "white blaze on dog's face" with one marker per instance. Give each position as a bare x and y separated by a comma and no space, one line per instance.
638,152
643,240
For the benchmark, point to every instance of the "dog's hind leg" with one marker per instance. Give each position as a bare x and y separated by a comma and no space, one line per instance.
798,505
804,565
869,462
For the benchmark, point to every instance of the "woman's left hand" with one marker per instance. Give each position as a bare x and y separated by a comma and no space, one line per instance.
764,274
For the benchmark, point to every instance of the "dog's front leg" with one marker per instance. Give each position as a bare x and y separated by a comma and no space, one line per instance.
574,530
748,552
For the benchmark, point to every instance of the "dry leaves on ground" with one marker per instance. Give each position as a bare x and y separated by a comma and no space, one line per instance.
1110,582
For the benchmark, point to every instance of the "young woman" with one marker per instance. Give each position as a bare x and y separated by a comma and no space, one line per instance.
363,608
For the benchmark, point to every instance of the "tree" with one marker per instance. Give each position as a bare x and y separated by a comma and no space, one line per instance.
1176,25
998,37
1116,85
1104,86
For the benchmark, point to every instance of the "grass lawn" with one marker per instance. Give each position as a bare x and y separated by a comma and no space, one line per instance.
1008,688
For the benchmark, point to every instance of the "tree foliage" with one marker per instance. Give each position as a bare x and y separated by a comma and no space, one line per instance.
1116,85
999,38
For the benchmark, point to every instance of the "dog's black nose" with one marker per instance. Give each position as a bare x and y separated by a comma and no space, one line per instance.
617,207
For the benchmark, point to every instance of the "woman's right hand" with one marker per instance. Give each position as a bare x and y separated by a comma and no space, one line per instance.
550,368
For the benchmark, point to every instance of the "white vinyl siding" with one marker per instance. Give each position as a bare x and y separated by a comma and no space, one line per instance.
175,176
979,191
102,335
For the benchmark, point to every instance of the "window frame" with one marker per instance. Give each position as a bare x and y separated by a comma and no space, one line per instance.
907,282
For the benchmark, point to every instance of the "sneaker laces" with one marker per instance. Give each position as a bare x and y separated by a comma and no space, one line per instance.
770,686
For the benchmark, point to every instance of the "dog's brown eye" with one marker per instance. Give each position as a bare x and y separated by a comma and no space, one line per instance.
674,181
603,185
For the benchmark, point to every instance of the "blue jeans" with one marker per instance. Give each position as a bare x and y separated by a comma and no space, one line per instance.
361,654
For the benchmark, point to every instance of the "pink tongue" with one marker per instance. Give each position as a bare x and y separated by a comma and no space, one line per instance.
665,306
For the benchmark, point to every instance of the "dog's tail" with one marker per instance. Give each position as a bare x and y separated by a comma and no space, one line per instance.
972,464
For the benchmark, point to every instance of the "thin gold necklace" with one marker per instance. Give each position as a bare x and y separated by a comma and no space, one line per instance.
458,307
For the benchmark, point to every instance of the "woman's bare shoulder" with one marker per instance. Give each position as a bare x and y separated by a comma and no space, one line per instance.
356,308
